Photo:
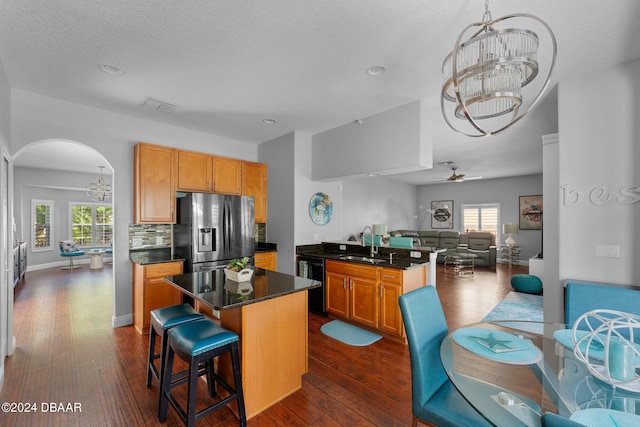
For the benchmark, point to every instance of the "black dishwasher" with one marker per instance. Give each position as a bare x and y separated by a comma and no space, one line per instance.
312,267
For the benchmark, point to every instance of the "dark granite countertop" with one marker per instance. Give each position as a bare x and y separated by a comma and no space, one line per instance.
213,289
152,256
401,258
266,247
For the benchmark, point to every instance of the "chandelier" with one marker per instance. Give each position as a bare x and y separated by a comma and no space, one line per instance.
99,191
484,76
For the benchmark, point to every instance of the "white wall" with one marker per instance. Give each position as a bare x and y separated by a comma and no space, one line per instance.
6,291
307,232
36,118
279,156
505,191
372,144
599,156
290,189
377,200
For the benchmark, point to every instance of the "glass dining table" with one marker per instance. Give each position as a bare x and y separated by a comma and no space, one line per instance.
512,372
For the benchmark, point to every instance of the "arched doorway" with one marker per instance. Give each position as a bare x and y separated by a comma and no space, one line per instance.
58,171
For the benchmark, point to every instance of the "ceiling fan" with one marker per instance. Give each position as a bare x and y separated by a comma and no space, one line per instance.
456,177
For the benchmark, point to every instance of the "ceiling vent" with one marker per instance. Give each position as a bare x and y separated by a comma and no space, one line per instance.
152,104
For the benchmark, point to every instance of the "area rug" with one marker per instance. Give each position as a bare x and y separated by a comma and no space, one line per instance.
349,334
519,306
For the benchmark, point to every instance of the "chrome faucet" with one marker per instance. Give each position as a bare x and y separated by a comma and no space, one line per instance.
373,248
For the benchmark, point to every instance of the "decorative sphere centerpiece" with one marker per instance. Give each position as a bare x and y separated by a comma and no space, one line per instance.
238,270
605,341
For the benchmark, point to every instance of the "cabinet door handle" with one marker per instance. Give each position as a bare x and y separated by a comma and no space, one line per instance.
350,284
164,271
381,294
386,276
344,283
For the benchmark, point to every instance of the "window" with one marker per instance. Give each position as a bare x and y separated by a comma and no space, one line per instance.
482,217
41,220
91,224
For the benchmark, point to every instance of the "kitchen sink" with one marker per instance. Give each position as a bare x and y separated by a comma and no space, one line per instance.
360,258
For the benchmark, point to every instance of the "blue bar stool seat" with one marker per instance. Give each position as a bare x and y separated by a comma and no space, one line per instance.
198,343
163,319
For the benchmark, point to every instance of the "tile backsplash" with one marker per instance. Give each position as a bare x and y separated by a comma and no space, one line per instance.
142,236
261,232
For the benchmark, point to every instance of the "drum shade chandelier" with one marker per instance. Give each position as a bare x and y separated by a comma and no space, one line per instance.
99,191
485,75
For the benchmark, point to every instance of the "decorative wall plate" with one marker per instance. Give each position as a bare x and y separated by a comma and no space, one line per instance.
320,208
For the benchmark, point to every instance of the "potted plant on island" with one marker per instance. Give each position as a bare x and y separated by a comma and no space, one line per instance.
238,270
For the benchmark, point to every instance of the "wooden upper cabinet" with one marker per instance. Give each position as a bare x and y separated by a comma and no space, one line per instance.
254,183
227,176
154,189
194,171
206,173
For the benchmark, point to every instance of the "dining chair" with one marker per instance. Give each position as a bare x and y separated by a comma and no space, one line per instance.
582,297
549,419
435,400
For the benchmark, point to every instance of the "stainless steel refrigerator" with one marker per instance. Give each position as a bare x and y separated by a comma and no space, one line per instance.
212,229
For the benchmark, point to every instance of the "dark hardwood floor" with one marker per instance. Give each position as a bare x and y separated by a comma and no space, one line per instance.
68,355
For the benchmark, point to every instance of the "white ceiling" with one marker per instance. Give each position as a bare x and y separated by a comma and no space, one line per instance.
229,64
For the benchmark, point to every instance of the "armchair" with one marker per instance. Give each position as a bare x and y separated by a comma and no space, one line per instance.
68,249
482,244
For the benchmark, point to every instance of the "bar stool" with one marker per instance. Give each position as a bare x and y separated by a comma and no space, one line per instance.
163,319
198,343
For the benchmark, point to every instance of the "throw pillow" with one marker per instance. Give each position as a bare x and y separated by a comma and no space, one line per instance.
68,246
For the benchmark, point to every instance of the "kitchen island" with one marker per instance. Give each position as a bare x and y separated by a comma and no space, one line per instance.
269,314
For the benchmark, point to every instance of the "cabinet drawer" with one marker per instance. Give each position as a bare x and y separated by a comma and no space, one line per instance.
162,269
352,269
391,275
264,256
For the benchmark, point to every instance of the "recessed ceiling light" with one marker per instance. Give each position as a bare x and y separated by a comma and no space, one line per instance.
269,121
111,69
376,70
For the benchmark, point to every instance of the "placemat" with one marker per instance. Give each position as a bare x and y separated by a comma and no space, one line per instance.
497,345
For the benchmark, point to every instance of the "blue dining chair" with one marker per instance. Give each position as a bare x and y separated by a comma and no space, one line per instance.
583,297
549,419
434,398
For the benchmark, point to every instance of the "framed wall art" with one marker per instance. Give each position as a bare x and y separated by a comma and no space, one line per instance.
530,212
442,214
320,208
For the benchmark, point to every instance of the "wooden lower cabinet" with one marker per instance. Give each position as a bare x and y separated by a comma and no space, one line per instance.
266,260
150,291
369,295
390,290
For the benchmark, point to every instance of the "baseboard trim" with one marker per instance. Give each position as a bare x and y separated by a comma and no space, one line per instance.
119,321
63,263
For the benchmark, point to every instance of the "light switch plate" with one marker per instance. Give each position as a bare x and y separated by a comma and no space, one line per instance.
608,251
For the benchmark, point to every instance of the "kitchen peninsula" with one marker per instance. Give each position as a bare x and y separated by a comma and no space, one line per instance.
269,314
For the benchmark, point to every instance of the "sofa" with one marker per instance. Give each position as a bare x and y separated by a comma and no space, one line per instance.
480,243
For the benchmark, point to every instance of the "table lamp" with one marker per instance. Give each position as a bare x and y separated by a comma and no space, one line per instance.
379,229
511,229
